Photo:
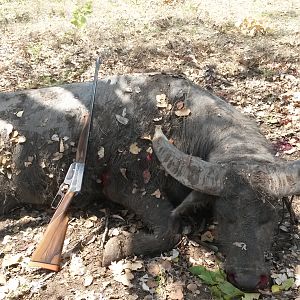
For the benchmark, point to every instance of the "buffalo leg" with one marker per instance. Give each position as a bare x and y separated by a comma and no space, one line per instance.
155,213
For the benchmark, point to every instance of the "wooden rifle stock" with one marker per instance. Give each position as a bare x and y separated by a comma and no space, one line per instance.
48,252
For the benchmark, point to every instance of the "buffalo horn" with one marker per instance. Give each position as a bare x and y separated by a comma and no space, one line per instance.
284,179
191,171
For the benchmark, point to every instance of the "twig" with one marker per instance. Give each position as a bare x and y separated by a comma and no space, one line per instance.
105,230
83,241
289,207
209,247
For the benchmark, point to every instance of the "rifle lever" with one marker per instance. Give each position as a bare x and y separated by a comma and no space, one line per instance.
72,183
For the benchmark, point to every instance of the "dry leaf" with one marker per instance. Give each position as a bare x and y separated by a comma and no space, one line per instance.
145,287
165,264
122,120
151,283
291,151
135,265
57,156
179,105
157,194
149,150
10,260
161,101
88,280
121,273
153,269
13,284
157,119
7,130
146,137
183,112
42,165
134,149
21,139
2,279
15,133
176,292
100,152
88,224
115,232
117,267
241,245
207,237
118,217
93,218
76,266
61,146
124,278
55,138
27,163
9,174
128,90
6,239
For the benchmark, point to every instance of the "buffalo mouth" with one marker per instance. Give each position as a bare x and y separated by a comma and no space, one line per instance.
248,281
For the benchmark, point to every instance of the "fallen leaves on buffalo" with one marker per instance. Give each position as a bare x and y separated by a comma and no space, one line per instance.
184,112
156,194
122,120
100,152
161,101
134,149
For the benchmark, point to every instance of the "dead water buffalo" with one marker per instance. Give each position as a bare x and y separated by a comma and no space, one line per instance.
217,158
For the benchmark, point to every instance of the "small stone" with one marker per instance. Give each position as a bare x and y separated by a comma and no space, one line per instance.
192,287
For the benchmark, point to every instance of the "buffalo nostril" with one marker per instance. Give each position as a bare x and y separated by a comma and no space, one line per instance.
263,282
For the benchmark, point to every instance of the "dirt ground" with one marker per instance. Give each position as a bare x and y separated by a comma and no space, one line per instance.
244,51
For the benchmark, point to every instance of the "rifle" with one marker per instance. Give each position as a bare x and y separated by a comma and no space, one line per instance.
48,252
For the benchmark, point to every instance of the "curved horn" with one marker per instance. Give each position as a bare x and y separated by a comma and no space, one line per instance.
191,171
284,178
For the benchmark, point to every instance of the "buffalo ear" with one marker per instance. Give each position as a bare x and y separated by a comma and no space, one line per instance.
190,171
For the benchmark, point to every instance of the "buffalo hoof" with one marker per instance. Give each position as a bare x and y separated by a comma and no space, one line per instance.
117,248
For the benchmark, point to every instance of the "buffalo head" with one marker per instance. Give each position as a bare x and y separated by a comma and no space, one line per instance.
246,192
